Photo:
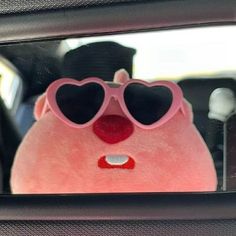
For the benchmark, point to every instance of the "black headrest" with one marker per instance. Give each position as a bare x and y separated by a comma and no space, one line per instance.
198,91
36,62
101,59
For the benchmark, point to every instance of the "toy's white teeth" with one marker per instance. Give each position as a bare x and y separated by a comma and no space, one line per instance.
116,159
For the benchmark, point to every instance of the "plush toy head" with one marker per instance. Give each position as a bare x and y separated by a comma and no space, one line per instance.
113,153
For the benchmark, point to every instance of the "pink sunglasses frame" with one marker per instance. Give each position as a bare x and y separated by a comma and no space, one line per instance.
116,93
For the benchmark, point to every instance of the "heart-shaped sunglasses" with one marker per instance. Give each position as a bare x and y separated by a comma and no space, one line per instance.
80,103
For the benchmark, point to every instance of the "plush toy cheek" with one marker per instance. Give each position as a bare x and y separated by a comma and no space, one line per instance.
113,128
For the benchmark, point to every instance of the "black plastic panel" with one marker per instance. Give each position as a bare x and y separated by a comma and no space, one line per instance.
119,207
17,6
117,18
119,228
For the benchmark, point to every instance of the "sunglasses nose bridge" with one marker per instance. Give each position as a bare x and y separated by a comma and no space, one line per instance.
113,106
114,93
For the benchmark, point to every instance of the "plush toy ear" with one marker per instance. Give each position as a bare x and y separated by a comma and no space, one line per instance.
39,105
187,109
121,76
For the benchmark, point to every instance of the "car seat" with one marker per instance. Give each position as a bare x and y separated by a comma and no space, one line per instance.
197,91
9,141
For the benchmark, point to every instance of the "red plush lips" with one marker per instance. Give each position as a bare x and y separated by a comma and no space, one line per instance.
113,128
116,161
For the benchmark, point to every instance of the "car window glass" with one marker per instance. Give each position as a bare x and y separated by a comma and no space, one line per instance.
199,61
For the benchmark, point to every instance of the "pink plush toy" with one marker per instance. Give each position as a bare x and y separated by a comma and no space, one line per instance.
128,136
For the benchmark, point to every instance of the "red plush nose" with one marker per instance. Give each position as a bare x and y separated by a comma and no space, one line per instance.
113,128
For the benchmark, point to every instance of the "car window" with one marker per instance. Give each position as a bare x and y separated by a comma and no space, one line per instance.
162,142
10,85
175,54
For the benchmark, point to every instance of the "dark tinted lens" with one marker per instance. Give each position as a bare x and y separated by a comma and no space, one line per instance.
147,104
80,103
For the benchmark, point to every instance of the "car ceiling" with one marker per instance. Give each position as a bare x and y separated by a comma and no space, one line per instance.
20,6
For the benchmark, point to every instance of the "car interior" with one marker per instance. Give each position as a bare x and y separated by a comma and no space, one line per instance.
191,43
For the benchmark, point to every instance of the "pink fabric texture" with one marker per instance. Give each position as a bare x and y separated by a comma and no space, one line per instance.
56,158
